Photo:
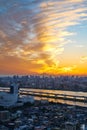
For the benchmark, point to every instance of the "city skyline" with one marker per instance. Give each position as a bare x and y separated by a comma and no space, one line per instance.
44,36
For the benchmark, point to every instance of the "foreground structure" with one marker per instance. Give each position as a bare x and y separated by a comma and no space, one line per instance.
8,99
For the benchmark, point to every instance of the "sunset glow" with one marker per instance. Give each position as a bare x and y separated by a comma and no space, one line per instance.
43,36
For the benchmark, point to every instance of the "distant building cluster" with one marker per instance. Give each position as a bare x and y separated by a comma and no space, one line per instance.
72,83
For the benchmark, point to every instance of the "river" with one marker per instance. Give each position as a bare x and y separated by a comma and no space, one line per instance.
50,92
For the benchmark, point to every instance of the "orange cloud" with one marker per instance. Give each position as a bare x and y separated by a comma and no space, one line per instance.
83,59
35,35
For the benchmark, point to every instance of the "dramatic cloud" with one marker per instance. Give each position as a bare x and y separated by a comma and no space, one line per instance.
83,59
68,69
36,31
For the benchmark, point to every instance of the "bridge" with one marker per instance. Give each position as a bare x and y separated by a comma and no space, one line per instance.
24,91
55,96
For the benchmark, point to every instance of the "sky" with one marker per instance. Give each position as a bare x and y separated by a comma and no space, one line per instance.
43,37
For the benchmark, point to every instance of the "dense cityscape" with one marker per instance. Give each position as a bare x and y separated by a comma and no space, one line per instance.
42,114
43,64
71,83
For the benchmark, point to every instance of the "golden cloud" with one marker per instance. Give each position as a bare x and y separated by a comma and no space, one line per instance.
37,32
83,59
